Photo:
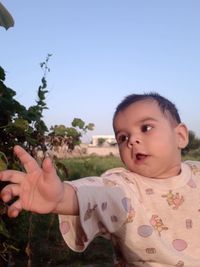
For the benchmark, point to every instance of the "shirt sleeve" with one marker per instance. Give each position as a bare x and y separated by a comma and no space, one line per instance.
102,210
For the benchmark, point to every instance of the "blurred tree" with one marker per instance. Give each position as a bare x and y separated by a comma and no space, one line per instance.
101,141
70,136
25,126
19,125
194,143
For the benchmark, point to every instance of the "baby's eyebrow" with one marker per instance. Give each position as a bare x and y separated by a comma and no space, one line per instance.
148,119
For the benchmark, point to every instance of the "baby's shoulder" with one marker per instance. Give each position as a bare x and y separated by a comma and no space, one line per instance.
194,166
115,171
120,175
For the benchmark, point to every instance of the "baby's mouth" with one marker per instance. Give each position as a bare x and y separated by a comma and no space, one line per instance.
140,156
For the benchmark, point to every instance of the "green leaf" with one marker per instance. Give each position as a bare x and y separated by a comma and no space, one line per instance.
59,130
3,230
21,123
78,123
90,126
72,132
3,161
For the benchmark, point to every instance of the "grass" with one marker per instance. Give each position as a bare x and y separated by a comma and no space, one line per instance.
90,166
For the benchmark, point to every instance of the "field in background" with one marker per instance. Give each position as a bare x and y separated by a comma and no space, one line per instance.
94,165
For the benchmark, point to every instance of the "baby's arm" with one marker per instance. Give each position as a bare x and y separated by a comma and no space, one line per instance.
39,189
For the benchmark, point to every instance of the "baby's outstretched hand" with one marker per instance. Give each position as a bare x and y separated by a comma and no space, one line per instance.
39,189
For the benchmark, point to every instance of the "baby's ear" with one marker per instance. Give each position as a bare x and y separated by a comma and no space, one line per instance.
182,135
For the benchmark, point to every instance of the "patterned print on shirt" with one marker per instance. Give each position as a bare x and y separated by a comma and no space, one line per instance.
157,224
179,244
104,206
175,200
150,250
149,191
145,230
195,169
89,211
188,223
127,179
191,183
108,182
126,203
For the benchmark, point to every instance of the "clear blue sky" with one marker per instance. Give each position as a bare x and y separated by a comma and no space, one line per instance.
102,51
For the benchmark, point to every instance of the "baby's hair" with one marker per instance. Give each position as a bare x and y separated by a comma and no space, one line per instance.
166,106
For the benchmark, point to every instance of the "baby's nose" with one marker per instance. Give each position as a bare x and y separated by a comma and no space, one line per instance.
134,140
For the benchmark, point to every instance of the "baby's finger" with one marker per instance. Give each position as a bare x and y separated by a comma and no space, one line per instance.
9,192
48,167
29,163
14,209
12,176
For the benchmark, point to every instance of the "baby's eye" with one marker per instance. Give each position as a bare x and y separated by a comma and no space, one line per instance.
122,138
146,128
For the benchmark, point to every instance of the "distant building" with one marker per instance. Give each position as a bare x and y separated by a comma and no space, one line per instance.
103,140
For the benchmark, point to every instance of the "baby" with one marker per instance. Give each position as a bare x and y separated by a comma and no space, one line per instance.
150,210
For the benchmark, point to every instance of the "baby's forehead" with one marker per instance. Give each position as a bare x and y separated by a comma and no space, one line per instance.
143,110
146,101
144,106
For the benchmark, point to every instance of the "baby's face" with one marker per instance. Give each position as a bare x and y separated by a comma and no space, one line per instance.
149,143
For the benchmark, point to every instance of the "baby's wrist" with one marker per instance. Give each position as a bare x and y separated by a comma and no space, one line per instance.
68,205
